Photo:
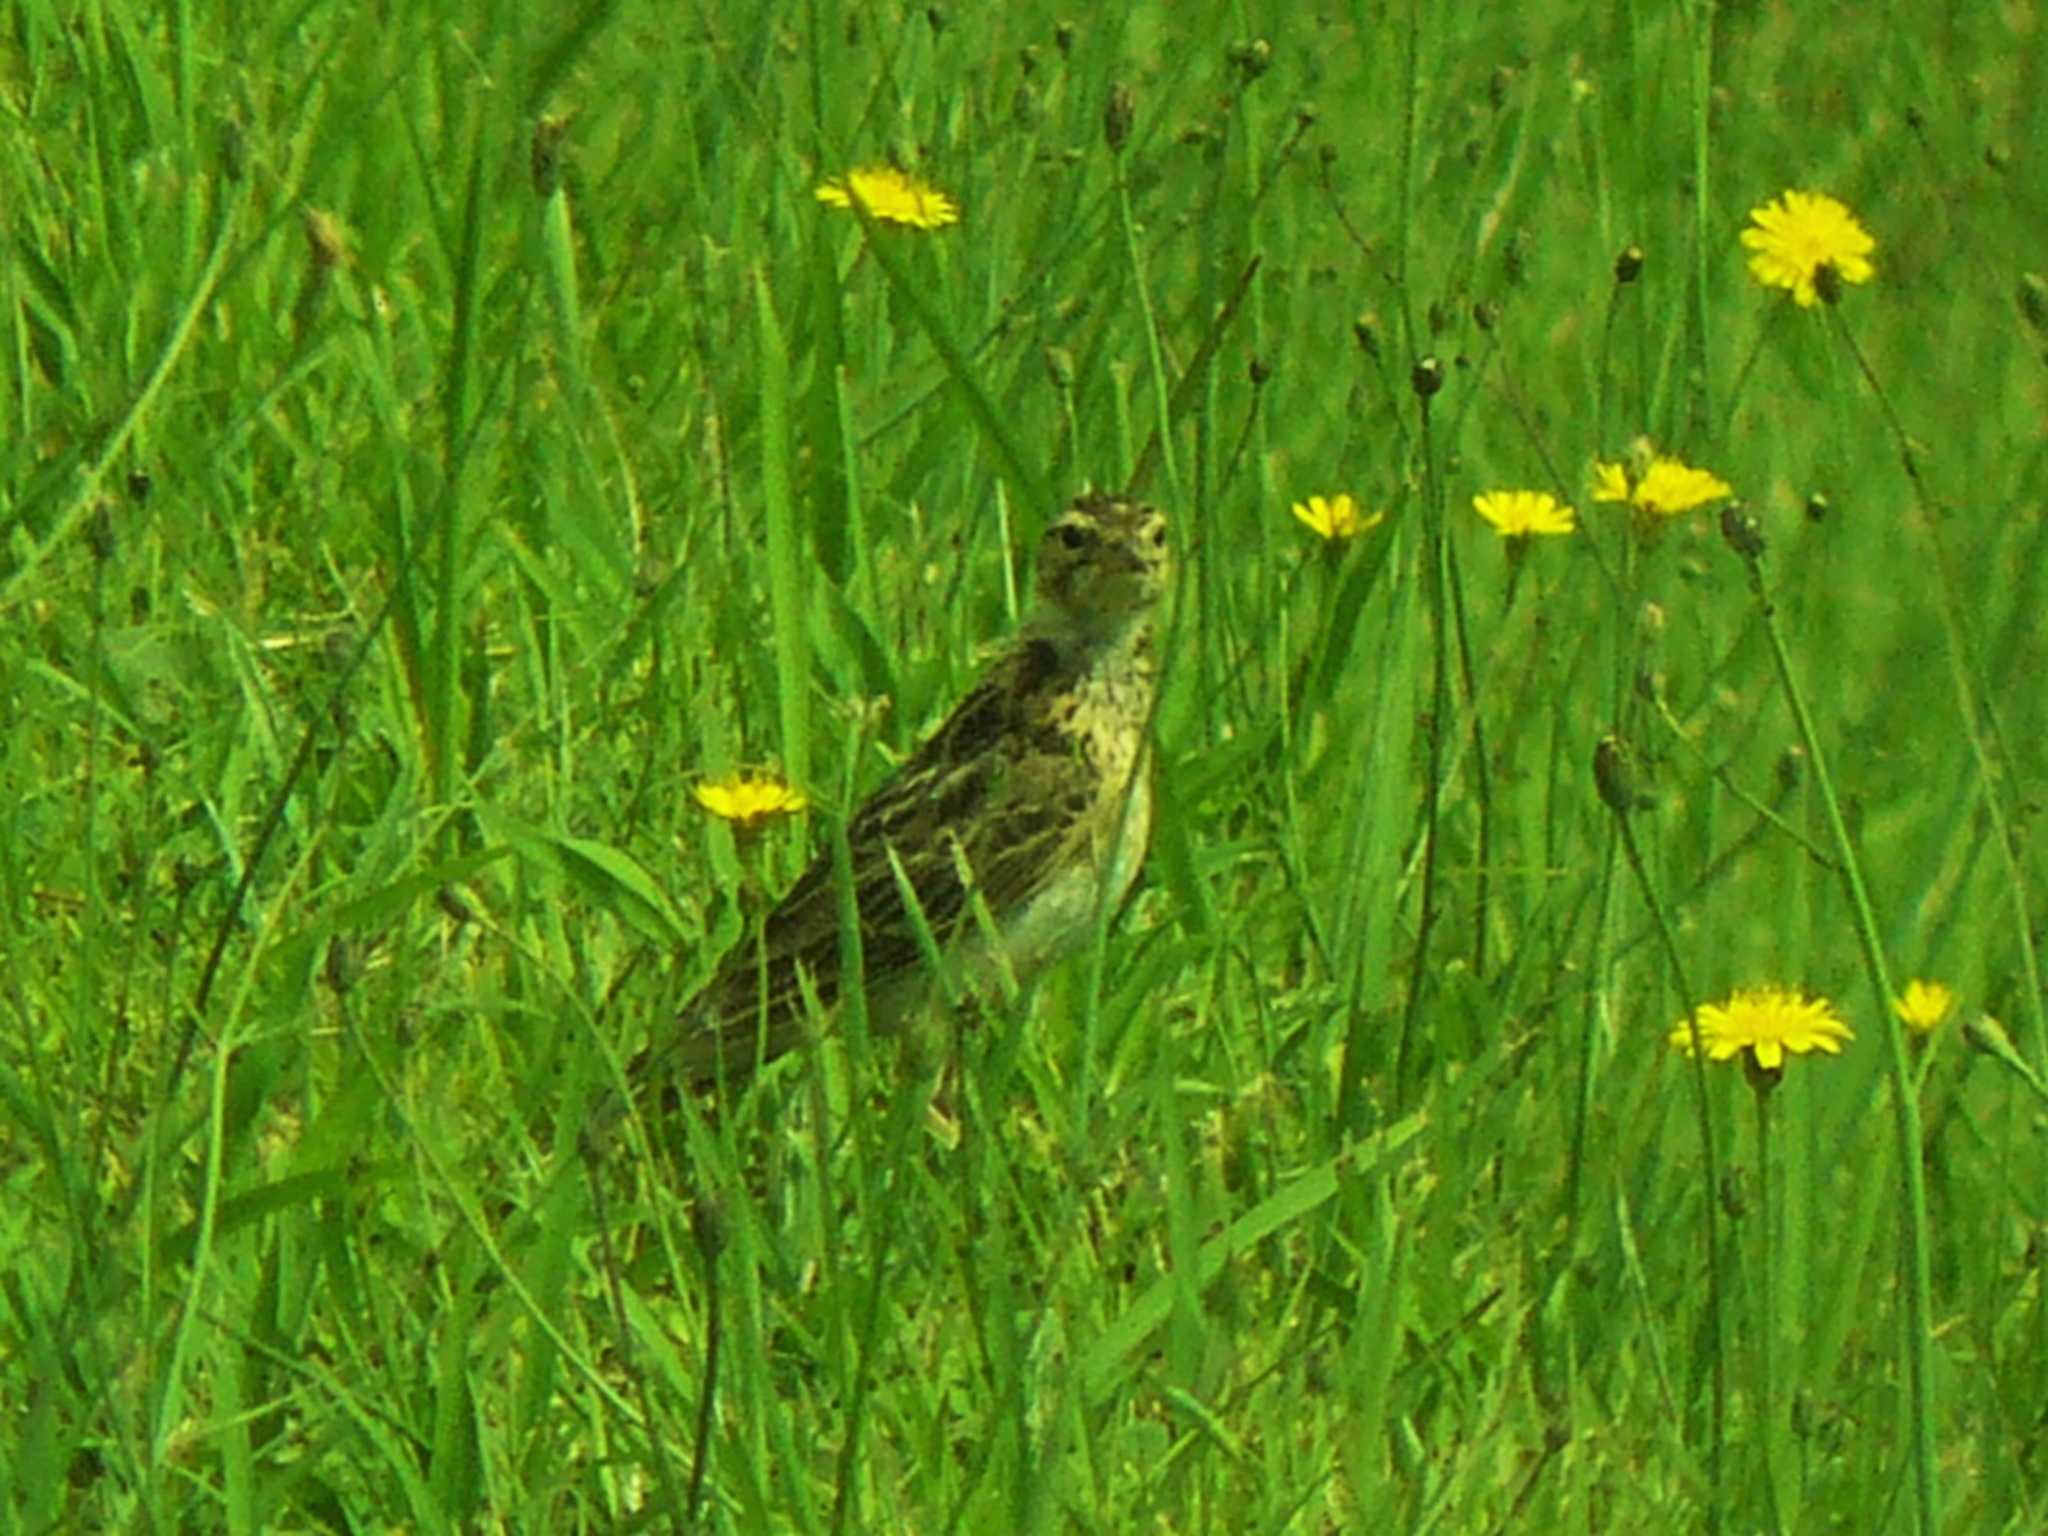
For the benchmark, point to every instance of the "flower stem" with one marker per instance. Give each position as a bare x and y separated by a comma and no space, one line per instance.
1482,784
1710,1171
1767,1416
1699,20
1987,737
1435,556
1905,1103
1154,355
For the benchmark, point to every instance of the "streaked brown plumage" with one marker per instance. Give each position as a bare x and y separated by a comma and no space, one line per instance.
1032,794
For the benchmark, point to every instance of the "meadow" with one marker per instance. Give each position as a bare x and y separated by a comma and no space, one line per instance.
435,442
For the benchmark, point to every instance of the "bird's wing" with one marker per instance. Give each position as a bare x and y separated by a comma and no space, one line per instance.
993,802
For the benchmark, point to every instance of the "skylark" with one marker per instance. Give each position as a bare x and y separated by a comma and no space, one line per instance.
1033,797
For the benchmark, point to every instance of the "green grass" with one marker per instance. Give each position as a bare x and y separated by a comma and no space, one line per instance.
365,622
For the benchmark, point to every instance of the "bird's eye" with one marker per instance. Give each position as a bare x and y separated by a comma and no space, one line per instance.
1073,535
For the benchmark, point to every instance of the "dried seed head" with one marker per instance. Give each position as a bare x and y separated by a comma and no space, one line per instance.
343,967
1117,116
546,154
2033,300
1614,775
234,151
1514,258
1742,532
1251,59
326,240
1735,1193
1791,768
99,532
708,1227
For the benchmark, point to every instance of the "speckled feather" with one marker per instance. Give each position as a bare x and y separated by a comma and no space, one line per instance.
1031,793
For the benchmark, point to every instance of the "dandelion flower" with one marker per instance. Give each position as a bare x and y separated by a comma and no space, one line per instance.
1799,235
1523,514
749,801
1924,1006
890,196
1767,1023
1670,487
1665,487
1336,517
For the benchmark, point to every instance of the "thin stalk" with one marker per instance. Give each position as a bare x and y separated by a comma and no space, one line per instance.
30,554
786,597
1589,1039
1434,548
1767,1291
1699,17
1155,357
1404,223
1905,1103
1987,738
1482,784
1710,1168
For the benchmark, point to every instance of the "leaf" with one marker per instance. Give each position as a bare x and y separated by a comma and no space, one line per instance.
609,876
1103,1367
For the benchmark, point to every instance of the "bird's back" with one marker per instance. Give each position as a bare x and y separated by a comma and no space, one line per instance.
1029,803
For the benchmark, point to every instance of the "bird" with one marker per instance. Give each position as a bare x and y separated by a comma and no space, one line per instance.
1031,798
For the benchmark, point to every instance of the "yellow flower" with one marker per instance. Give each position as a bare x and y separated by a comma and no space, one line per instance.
1799,234
1336,517
1671,487
1521,514
1766,1022
1665,488
1924,1006
749,801
891,196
